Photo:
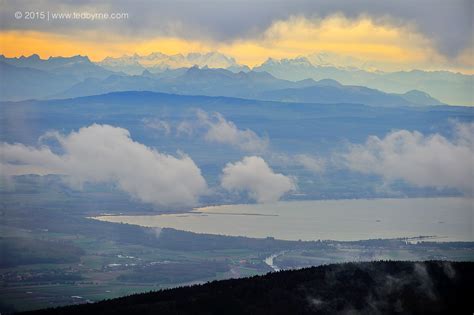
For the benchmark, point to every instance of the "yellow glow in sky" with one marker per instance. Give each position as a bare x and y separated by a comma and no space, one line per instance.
388,47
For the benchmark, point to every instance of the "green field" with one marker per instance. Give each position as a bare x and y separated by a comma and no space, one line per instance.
52,254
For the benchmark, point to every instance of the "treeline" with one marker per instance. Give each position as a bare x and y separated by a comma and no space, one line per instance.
432,287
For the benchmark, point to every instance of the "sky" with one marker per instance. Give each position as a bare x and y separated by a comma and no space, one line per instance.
393,35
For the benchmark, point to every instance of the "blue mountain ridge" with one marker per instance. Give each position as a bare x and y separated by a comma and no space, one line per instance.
61,77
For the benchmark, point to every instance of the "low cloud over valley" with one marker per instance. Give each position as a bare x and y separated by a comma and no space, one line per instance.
107,154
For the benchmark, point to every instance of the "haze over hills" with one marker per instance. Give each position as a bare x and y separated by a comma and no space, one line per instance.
59,77
78,67
26,83
252,85
33,77
105,142
332,92
448,87
187,123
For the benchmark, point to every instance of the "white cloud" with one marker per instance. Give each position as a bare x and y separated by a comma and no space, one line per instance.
158,125
215,129
254,176
425,161
220,130
185,128
311,163
103,153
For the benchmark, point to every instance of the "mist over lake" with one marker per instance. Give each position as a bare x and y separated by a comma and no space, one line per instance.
444,219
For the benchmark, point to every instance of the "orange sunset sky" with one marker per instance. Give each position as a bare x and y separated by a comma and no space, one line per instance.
386,41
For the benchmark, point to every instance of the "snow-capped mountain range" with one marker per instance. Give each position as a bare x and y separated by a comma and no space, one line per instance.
157,62
33,77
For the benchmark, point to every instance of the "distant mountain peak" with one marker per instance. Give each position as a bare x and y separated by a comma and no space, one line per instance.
329,82
418,93
420,98
323,59
76,58
146,73
35,60
194,68
158,62
31,57
271,61
299,61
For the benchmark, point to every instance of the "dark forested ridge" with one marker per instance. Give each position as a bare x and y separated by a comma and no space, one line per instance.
386,287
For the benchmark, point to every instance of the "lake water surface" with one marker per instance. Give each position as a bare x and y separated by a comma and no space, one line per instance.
449,219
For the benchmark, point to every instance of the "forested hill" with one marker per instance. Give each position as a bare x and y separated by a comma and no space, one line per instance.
431,287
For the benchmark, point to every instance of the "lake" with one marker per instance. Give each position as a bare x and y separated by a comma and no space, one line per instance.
447,219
